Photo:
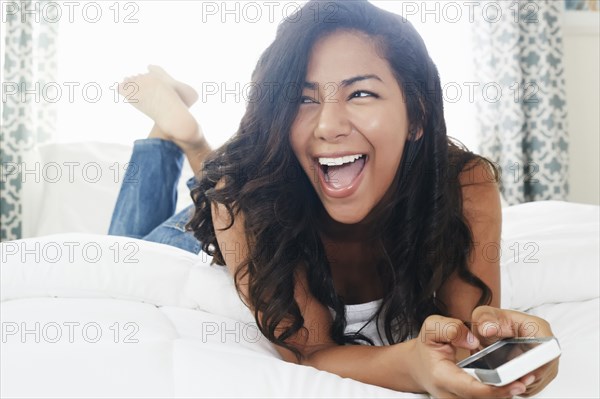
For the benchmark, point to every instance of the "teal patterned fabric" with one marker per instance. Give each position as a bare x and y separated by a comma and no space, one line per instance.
519,50
27,120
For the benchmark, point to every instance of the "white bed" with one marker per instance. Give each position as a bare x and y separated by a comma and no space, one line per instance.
117,317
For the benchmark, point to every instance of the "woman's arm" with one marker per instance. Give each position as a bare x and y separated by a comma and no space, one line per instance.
423,364
315,344
483,213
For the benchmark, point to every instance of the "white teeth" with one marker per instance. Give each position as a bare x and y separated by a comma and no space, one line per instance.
340,160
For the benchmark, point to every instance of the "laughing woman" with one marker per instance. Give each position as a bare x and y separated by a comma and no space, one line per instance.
349,221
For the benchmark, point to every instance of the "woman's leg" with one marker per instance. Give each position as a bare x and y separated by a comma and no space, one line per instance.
173,232
148,195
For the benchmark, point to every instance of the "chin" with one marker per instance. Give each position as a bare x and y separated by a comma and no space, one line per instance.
346,217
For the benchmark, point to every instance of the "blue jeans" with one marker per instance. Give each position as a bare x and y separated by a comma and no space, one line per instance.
146,203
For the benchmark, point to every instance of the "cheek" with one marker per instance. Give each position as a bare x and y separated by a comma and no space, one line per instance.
389,147
388,164
386,127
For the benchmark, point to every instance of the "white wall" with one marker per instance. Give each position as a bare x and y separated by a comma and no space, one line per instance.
582,70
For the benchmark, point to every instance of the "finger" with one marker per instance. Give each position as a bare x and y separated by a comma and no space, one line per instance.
528,379
464,385
503,323
492,324
534,388
446,330
543,376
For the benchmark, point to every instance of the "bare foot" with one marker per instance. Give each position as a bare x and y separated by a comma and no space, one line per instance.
186,92
155,94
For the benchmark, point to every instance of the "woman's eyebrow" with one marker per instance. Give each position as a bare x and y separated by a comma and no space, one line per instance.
345,82
351,81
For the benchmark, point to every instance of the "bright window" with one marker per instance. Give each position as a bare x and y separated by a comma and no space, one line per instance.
213,46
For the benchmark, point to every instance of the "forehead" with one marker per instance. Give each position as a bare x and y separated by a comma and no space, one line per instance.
345,54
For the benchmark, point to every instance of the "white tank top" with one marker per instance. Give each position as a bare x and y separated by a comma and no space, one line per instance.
357,318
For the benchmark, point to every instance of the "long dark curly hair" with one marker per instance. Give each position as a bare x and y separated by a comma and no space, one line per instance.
422,235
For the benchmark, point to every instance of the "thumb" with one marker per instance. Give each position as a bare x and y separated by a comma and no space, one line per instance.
491,324
445,330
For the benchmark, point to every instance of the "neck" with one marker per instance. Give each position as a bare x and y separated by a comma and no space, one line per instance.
337,231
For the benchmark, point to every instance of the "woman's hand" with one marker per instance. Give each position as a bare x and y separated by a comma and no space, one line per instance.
491,324
434,360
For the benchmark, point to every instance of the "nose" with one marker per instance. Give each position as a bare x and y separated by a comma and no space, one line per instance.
333,123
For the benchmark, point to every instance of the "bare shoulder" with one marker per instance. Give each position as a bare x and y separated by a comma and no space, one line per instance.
480,191
230,234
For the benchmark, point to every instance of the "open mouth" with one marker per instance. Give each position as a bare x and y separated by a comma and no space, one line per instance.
340,172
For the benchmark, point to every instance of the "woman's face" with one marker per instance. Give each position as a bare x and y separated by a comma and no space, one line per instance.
351,125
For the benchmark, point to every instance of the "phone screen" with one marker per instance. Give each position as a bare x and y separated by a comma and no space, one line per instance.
501,355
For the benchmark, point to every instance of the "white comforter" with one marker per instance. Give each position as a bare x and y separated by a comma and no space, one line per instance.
102,316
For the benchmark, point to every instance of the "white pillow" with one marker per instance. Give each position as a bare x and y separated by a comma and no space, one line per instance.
88,265
101,266
73,187
550,253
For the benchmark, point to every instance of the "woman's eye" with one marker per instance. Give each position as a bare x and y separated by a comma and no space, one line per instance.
362,94
306,100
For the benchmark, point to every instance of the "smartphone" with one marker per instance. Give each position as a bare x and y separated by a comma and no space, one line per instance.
510,359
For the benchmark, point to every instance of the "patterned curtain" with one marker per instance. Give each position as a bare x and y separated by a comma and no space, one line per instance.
29,71
522,114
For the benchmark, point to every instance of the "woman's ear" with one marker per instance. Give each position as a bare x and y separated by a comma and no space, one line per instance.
415,133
